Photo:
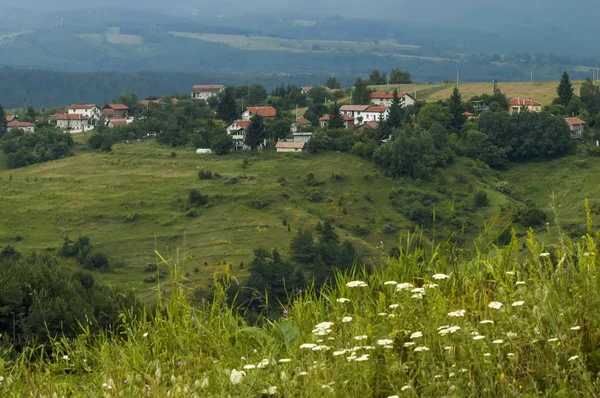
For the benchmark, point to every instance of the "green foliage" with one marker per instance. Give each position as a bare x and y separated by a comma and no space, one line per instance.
590,95
564,90
480,199
416,205
477,145
97,261
256,133
196,199
361,95
530,216
433,112
318,95
3,121
456,108
398,76
335,118
396,116
287,97
221,144
227,109
23,149
312,181
205,174
333,83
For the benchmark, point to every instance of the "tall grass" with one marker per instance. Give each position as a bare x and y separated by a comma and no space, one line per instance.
518,320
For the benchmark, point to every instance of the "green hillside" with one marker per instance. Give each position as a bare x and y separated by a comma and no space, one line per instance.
132,202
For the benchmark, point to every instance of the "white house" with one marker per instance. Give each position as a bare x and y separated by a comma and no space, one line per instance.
302,136
73,123
375,114
288,146
386,99
356,112
17,125
264,111
89,111
200,92
576,126
518,105
237,131
300,124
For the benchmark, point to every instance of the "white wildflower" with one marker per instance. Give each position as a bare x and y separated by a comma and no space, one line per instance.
285,360
356,284
475,333
406,387
338,353
420,290
552,340
437,376
364,357
302,373
447,348
519,283
443,327
270,391
205,383
391,315
343,300
393,396
416,335
409,343
262,364
510,273
322,329
236,376
249,366
404,286
449,329
463,370
478,337
417,296
499,341
321,348
430,285
382,314
458,313
510,354
347,319
359,338
368,347
576,328
487,354
440,276
393,306
390,283
495,305
308,345
419,349
511,335
573,358
65,357
145,334
545,254
518,303
451,375
385,342
487,321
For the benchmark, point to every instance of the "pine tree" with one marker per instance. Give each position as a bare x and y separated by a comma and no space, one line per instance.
396,113
327,234
256,132
565,90
333,83
227,107
336,120
457,108
3,123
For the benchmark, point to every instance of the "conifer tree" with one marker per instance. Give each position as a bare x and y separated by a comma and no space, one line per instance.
3,123
336,120
565,90
227,107
396,113
457,108
256,132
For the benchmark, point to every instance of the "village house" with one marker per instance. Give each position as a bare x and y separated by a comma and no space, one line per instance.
56,114
367,126
386,99
17,125
89,111
470,116
120,111
289,146
301,136
348,121
375,114
146,103
518,105
264,111
200,92
116,122
356,112
300,124
73,123
237,131
480,106
576,125
11,118
306,89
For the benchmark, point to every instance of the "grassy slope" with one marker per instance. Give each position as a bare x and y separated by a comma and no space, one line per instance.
544,92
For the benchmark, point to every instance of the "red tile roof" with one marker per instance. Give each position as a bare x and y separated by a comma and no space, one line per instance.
242,123
384,95
468,114
148,102
174,101
17,124
264,111
377,109
353,108
10,118
207,88
368,125
81,106
574,121
118,122
345,117
70,117
117,107
523,102
289,145
303,122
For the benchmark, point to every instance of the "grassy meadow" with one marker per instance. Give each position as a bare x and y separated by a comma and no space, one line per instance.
435,322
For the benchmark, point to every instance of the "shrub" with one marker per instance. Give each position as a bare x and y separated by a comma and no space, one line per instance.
205,175
97,260
311,180
259,203
314,195
480,199
196,199
231,181
505,187
530,216
419,213
361,230
148,268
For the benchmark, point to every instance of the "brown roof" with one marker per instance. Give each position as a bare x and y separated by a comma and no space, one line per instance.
174,101
377,109
242,123
17,124
10,118
117,107
207,88
308,88
523,102
289,145
574,120
303,122
81,106
353,108
148,102
368,125
69,117
264,111
118,122
345,117
385,95
468,114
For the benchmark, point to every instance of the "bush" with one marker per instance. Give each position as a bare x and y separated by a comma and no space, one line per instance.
530,216
505,187
420,214
311,180
314,195
97,260
196,199
259,204
480,199
148,268
205,175
231,181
